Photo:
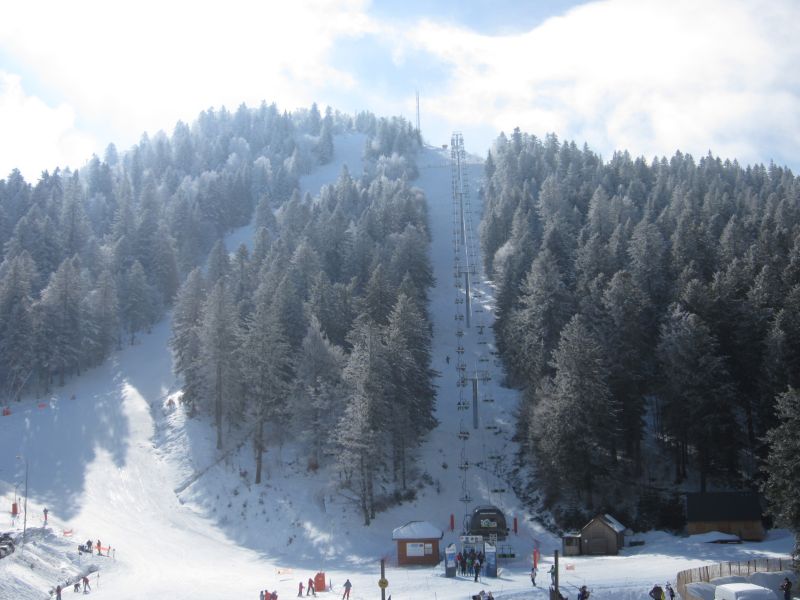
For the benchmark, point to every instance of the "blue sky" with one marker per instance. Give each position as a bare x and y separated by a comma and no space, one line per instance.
649,76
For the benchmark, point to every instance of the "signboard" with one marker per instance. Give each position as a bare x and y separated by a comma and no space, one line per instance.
490,562
415,549
470,539
450,565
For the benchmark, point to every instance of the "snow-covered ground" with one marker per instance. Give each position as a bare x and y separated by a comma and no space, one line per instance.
114,463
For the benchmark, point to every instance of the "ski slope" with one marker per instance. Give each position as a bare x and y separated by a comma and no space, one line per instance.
116,463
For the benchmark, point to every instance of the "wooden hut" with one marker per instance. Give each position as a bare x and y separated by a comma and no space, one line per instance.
602,535
571,544
736,513
417,543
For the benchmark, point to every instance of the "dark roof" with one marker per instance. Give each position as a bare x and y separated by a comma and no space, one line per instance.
723,506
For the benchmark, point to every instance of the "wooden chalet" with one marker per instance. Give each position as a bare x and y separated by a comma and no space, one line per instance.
736,513
417,543
602,535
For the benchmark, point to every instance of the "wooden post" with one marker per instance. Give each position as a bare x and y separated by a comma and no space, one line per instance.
383,578
555,564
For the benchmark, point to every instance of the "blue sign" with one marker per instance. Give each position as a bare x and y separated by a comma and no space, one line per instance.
490,553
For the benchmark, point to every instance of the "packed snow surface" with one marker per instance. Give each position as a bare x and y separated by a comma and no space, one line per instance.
113,460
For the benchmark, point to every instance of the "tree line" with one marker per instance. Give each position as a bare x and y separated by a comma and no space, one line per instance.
92,257
649,311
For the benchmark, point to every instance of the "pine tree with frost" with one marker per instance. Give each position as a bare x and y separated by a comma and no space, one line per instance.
368,378
219,338
104,308
379,296
187,319
534,328
17,342
266,368
219,264
137,301
413,394
575,416
63,319
318,389
782,467
695,393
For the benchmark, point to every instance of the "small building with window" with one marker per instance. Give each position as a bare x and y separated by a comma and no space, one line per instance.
602,535
417,543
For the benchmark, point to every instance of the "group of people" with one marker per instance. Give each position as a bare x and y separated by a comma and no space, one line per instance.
470,563
76,587
482,595
267,595
309,588
667,593
89,547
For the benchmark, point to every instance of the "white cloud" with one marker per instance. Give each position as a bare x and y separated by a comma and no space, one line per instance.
140,66
37,136
648,76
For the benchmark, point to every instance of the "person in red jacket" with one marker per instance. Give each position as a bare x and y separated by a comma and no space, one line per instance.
310,588
300,589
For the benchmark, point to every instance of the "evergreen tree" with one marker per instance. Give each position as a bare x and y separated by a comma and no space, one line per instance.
16,324
219,336
267,373
187,320
695,393
782,487
574,417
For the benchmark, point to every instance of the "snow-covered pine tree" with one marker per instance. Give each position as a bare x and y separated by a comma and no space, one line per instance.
575,418
782,487
318,390
219,338
187,319
695,393
266,370
368,376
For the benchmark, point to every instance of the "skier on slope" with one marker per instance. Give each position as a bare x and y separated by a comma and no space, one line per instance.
347,586
310,588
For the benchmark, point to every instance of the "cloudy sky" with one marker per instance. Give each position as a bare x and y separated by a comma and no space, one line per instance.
649,76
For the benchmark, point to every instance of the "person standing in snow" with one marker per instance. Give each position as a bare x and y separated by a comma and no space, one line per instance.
45,515
58,592
533,576
99,549
583,593
310,588
300,590
552,572
261,595
670,592
786,588
86,585
347,586
657,593
477,567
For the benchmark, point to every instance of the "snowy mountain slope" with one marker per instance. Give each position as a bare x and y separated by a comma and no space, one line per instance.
114,463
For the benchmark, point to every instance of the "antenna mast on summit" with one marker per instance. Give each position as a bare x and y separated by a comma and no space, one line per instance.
418,130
